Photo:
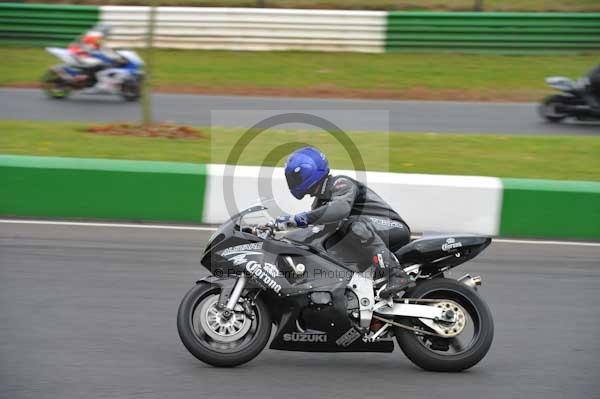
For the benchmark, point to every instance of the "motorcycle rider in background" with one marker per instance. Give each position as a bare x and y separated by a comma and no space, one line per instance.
592,92
94,58
365,219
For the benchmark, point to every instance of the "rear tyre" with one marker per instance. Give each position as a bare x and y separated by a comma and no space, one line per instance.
54,86
548,109
448,354
220,343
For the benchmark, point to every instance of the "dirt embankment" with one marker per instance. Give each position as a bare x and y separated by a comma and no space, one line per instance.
164,130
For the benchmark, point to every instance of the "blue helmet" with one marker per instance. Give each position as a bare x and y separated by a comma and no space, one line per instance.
305,168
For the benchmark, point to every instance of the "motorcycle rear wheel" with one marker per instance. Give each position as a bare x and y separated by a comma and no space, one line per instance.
130,90
54,86
221,345
448,354
547,109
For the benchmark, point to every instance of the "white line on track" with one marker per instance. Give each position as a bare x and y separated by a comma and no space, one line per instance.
544,242
206,228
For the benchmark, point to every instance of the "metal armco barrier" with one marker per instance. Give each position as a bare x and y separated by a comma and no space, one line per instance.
260,29
44,24
249,28
493,32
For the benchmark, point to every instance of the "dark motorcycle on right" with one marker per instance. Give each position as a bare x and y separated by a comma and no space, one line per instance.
576,100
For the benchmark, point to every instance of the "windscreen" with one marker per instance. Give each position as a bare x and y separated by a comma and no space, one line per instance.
255,218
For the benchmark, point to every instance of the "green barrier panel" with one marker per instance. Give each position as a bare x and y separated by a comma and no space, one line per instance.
45,24
51,187
493,32
548,208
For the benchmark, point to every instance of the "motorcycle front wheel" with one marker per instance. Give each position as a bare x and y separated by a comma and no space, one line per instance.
54,86
454,354
218,340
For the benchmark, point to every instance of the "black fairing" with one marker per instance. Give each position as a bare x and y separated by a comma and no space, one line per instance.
439,253
574,103
305,320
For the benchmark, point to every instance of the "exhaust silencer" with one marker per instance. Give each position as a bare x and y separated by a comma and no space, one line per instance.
473,282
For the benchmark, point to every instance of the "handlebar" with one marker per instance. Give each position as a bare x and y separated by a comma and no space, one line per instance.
266,230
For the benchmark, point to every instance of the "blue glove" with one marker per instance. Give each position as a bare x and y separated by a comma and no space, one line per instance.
286,221
301,219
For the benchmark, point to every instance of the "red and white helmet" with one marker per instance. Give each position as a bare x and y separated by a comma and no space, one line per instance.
93,39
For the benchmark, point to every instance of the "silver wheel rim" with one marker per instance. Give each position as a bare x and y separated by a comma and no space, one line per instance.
455,328
219,328
470,326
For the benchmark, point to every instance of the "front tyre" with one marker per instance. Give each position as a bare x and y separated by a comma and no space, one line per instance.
130,89
216,340
448,354
548,109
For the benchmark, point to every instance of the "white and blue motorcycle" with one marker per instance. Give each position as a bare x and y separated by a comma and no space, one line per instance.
122,76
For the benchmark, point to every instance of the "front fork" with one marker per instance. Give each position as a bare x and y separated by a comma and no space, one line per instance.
230,295
236,293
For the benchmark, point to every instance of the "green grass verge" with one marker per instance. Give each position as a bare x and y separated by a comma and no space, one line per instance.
569,157
436,5
427,74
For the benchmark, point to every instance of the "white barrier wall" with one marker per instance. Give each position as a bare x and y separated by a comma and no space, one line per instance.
428,203
246,183
248,28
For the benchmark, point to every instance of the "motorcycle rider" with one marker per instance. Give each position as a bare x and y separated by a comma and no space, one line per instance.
93,57
592,93
365,219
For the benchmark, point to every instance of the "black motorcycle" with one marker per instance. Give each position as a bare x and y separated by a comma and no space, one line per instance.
320,303
573,102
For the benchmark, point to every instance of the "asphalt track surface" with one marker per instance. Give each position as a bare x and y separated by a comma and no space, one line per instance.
396,116
89,312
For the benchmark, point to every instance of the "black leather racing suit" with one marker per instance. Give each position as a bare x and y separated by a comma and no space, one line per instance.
367,221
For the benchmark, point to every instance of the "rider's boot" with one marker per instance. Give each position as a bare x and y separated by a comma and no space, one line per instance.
398,280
